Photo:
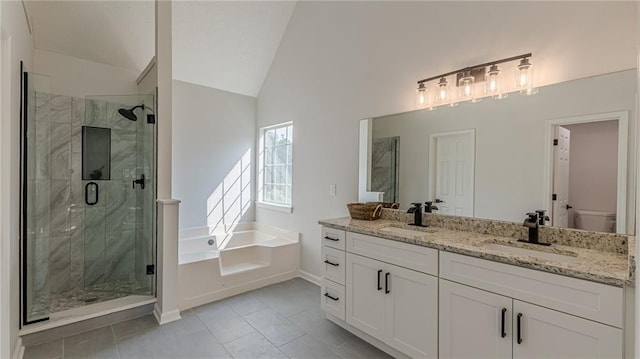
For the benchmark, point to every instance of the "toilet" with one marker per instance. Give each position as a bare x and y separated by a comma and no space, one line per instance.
596,221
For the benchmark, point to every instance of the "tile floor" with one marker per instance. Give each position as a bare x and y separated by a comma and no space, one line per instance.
280,321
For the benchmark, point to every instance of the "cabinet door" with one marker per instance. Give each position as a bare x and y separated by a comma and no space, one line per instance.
471,322
411,312
545,333
365,299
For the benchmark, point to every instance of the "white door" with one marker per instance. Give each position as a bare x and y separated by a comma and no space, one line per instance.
561,157
473,323
454,155
412,312
365,295
545,333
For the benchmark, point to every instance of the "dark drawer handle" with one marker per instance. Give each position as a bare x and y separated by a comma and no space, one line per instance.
331,297
518,328
331,263
503,332
331,239
379,284
386,283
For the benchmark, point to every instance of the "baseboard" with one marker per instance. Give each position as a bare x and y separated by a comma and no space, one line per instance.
19,351
187,303
164,318
309,277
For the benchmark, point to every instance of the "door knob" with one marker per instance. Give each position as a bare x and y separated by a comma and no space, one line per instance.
569,207
439,200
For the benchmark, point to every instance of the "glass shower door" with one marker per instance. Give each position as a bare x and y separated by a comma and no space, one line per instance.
119,230
88,199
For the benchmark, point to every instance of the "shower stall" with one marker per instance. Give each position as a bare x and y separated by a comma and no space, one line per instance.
88,199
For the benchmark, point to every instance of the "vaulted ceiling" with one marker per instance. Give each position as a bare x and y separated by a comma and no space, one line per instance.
228,45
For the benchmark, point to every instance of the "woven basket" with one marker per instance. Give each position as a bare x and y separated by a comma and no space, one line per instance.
365,211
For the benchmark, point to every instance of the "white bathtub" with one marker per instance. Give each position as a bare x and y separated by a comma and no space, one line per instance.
218,264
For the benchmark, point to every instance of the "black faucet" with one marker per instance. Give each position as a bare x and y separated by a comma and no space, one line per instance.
417,214
429,207
533,221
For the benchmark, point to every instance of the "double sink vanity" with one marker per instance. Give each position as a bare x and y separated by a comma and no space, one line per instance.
465,287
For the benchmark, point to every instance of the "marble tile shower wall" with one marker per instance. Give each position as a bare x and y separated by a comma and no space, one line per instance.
77,245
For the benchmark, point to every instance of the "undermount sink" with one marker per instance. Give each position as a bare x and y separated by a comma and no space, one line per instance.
407,232
531,253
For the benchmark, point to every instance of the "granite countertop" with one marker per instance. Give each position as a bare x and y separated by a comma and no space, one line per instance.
595,265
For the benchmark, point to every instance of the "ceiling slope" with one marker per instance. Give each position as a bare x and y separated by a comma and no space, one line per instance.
118,33
228,45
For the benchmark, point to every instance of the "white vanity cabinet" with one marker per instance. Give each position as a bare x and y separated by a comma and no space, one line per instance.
477,323
333,272
426,303
473,323
396,305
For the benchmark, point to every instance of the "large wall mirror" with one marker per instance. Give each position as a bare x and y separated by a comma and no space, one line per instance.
569,149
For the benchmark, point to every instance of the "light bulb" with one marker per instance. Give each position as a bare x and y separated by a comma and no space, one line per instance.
421,95
524,76
493,83
466,86
443,90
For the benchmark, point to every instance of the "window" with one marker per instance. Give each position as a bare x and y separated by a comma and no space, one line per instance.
276,165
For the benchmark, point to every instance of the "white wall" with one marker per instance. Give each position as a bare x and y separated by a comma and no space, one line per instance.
340,62
148,83
212,131
593,165
14,26
77,77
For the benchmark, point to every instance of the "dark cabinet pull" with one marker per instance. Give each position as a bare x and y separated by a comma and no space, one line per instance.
379,284
518,330
386,283
331,297
503,332
331,239
331,263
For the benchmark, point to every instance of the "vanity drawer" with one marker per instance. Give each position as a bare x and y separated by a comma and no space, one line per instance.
333,264
333,237
418,258
333,299
590,300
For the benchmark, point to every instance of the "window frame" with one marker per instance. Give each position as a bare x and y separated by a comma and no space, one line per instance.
261,202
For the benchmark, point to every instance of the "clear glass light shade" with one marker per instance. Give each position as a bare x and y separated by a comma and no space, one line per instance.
465,86
421,96
493,85
524,76
443,91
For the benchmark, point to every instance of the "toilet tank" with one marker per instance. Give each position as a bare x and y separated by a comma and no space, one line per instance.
596,221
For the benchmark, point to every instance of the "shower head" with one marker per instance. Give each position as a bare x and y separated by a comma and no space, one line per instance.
128,113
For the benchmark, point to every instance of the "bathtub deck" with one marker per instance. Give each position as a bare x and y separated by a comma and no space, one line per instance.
227,270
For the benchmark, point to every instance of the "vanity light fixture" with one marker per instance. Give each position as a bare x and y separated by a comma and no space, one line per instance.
467,80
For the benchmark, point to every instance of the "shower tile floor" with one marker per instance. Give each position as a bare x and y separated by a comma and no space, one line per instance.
58,302
280,321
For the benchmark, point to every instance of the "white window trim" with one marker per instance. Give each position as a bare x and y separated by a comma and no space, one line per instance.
260,203
274,207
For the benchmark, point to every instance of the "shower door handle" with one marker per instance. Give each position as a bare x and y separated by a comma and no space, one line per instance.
139,181
87,188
